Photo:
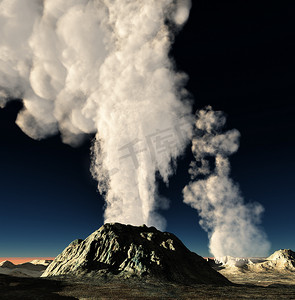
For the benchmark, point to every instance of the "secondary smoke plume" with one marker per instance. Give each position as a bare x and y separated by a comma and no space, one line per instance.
101,66
232,225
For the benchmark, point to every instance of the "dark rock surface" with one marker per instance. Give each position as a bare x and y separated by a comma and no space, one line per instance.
124,251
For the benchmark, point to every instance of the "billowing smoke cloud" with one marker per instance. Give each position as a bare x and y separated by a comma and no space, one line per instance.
232,225
102,67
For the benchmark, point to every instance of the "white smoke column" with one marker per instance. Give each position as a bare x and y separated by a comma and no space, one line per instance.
101,66
232,225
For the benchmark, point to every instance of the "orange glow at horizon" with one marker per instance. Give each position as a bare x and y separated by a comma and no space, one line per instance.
21,260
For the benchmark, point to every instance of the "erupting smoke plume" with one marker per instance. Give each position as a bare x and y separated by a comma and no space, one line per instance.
231,224
101,66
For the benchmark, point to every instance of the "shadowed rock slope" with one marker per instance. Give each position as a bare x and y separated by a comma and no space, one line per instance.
126,251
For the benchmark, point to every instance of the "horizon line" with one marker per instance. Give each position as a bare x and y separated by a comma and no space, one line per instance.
21,259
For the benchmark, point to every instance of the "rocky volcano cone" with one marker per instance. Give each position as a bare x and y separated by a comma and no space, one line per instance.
127,251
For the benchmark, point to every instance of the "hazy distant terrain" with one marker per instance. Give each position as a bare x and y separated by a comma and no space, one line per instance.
277,269
34,268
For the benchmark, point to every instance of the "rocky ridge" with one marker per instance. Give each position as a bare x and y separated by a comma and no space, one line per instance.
7,264
125,251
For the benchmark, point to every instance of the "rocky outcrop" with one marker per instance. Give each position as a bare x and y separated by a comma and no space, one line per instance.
126,251
283,254
281,260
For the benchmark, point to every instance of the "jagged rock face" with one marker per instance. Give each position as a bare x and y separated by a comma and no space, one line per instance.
126,251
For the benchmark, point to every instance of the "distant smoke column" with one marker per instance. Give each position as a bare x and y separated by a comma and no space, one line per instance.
101,67
232,225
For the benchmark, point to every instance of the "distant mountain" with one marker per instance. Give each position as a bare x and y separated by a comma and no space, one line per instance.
7,264
125,251
32,267
283,254
44,262
22,270
281,260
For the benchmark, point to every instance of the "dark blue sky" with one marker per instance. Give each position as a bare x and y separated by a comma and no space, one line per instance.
240,59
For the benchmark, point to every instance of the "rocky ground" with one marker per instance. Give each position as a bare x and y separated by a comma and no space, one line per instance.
85,288
260,279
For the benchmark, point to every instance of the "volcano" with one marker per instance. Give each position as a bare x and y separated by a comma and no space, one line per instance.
125,251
